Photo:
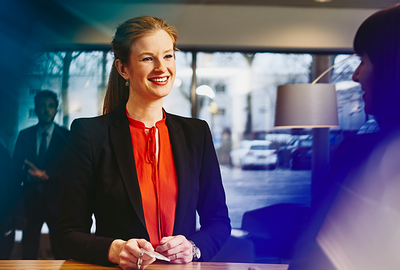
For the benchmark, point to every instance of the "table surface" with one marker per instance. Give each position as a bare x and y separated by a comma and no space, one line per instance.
74,265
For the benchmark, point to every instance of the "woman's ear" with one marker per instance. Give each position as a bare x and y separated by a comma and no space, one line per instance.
121,68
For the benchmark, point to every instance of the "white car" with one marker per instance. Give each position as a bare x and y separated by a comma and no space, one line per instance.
255,154
239,152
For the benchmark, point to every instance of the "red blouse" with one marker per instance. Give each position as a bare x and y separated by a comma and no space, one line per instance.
157,177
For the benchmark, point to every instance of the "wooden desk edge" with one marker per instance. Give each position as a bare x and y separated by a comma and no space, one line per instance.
75,265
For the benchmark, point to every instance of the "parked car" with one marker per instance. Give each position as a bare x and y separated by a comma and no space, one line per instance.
286,150
238,153
259,154
301,155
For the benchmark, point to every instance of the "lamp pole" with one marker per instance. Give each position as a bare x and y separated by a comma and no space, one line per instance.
321,146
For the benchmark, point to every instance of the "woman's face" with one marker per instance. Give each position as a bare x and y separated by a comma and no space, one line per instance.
151,68
364,75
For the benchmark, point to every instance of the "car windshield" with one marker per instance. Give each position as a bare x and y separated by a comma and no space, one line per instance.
260,147
305,143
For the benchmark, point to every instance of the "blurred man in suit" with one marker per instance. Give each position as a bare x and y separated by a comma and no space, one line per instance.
37,156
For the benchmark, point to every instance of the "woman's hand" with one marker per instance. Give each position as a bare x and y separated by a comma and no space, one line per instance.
127,254
177,248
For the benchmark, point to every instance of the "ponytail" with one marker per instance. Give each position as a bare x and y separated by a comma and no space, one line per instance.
117,92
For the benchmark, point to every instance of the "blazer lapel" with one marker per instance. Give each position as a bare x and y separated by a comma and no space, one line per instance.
181,164
122,143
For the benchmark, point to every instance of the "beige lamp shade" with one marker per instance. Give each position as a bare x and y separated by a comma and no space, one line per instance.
306,106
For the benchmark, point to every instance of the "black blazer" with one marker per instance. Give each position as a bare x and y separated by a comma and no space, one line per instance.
99,176
26,148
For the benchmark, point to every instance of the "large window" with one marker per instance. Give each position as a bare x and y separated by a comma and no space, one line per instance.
258,163
240,115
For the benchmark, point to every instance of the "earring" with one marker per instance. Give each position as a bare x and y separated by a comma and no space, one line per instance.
127,83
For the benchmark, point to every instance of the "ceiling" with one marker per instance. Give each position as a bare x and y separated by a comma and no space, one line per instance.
47,24
373,4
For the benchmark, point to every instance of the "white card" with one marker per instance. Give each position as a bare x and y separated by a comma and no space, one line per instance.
155,254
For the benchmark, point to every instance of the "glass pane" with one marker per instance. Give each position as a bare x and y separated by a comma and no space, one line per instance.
79,79
241,115
352,118
45,73
349,94
88,78
178,100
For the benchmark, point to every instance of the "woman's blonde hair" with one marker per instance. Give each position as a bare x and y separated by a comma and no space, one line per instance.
127,33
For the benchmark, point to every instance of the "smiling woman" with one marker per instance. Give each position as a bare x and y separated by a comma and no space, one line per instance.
150,72
129,54
142,172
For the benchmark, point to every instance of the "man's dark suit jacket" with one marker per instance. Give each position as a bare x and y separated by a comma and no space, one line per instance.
99,176
26,148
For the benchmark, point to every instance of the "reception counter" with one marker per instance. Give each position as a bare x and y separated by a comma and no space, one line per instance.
74,265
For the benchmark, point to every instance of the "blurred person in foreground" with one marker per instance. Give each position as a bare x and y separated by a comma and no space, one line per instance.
9,193
355,219
141,171
37,157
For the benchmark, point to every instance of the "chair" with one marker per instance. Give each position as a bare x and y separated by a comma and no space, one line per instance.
236,249
274,230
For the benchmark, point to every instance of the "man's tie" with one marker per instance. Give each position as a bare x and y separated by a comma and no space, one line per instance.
42,150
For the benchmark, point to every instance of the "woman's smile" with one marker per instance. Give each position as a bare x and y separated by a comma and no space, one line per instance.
160,80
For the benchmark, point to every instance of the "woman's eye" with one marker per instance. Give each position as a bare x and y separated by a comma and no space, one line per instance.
169,56
147,59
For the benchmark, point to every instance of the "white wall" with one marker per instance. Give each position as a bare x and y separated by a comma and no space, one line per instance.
227,26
